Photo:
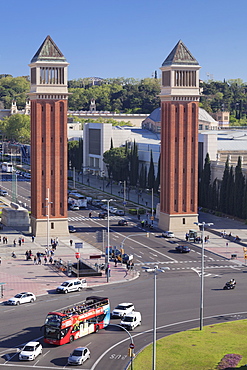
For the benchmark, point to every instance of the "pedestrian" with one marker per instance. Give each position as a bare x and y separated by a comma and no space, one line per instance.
90,215
0,260
32,238
109,271
6,240
51,259
45,260
39,260
34,260
71,242
115,260
56,240
19,242
22,240
14,242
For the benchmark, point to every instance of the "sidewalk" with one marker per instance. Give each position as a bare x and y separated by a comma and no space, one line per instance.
18,274
224,246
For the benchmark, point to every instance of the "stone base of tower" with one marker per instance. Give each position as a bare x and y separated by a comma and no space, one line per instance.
178,222
57,227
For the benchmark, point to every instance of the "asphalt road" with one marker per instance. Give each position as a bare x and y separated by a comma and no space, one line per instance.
178,299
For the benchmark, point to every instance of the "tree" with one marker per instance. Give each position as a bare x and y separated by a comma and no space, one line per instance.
151,177
157,180
133,164
205,184
117,163
75,154
223,188
238,190
16,128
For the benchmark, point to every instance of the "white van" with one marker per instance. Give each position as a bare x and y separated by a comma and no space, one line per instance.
74,285
131,320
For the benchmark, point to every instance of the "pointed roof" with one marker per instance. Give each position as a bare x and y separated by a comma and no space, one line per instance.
48,52
180,55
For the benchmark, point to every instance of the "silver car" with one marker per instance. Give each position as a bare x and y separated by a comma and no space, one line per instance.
78,356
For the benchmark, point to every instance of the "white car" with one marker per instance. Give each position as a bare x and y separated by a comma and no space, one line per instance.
78,356
30,351
168,234
123,309
74,285
131,320
3,192
25,297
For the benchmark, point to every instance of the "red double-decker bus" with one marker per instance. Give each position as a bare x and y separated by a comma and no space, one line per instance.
77,321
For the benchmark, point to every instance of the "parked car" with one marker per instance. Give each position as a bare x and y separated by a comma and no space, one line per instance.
20,298
74,208
78,356
113,210
131,320
74,285
120,212
168,234
72,229
123,309
3,192
30,351
122,223
102,214
182,249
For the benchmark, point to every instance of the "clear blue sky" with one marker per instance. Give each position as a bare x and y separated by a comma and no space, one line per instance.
126,38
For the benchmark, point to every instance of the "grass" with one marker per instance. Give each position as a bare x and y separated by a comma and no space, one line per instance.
197,350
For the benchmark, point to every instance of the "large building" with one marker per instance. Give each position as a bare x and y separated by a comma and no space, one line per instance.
48,96
179,140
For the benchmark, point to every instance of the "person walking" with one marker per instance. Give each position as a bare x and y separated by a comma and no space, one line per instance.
115,260
45,260
71,242
34,260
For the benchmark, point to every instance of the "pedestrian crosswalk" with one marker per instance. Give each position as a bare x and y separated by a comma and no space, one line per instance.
85,218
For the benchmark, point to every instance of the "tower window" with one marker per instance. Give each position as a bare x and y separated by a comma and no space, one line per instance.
183,221
52,225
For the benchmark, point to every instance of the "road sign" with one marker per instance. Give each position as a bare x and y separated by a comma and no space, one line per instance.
132,345
77,255
78,245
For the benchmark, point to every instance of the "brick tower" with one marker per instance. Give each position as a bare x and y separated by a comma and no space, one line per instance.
179,140
48,97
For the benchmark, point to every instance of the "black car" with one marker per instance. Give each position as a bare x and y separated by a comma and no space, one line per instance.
183,249
102,214
122,223
72,229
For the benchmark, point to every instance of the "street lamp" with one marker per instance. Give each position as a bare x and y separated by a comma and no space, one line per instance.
131,346
108,233
155,271
202,224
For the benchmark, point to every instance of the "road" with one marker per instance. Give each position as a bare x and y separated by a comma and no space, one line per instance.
178,298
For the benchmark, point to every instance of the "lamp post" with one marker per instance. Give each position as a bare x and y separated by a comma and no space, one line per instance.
155,271
108,234
202,224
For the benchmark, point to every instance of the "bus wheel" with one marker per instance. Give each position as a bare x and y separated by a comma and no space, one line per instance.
96,328
71,339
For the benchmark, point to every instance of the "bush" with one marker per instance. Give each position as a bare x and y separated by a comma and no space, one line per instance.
229,361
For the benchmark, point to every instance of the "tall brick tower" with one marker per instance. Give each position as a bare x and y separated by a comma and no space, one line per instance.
179,140
48,96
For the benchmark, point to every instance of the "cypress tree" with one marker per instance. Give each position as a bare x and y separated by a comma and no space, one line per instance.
204,189
238,190
245,201
151,177
223,187
229,201
157,180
